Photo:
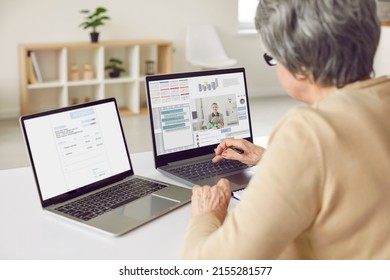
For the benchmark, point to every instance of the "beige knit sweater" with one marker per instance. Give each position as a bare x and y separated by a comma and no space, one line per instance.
321,191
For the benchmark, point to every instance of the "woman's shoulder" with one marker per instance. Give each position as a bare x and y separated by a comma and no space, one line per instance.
300,114
305,121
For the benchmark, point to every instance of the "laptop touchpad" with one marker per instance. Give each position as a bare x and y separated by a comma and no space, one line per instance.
240,180
147,207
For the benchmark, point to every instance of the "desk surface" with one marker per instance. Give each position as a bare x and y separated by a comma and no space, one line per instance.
28,232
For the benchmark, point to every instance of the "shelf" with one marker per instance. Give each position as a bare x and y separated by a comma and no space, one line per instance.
120,80
83,83
74,72
54,84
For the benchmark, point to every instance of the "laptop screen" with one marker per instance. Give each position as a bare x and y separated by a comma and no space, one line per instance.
75,147
197,109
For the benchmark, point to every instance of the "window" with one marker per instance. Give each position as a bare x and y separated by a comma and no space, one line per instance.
246,14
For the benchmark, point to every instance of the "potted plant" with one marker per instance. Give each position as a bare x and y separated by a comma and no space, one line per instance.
115,67
93,20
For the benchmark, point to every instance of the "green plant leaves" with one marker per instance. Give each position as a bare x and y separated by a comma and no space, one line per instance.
94,19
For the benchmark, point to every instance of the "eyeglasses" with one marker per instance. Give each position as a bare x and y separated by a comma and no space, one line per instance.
270,60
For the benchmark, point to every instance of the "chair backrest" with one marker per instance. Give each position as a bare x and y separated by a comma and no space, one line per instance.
203,45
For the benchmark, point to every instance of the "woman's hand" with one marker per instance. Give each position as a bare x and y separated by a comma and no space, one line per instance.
227,149
213,199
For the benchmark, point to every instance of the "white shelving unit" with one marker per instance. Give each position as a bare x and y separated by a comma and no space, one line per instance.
55,61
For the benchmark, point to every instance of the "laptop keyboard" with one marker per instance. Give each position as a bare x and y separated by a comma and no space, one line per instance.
207,169
99,203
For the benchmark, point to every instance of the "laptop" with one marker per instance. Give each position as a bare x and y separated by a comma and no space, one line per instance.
190,114
83,171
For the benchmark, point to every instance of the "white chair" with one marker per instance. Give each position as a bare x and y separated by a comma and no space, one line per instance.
204,48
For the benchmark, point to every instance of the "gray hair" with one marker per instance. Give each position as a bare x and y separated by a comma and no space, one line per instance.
331,41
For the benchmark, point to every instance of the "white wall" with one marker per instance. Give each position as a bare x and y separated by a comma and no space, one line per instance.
382,57
38,21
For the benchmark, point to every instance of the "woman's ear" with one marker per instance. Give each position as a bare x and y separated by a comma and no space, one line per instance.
300,77
303,75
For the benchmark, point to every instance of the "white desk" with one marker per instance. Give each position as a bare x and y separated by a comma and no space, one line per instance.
28,232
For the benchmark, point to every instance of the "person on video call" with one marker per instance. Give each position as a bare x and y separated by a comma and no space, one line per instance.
215,118
322,188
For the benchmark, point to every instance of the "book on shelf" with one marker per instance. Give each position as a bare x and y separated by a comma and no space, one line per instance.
32,79
37,71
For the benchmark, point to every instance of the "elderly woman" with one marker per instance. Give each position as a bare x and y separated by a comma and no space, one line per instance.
322,188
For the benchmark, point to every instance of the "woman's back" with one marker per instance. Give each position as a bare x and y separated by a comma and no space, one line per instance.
353,133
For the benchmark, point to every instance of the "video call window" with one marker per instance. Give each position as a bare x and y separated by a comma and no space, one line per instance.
198,111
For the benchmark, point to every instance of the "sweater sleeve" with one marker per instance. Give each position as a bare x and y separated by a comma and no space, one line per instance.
280,202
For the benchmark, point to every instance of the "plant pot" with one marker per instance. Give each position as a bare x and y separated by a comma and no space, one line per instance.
94,37
115,74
